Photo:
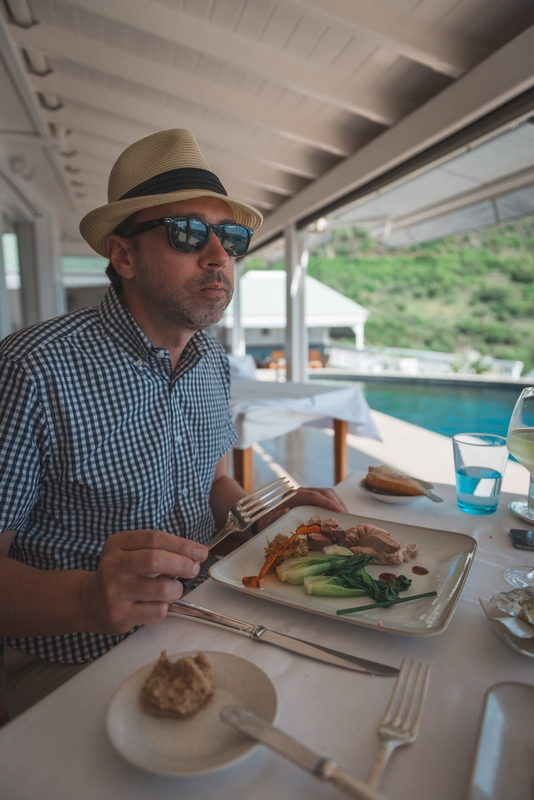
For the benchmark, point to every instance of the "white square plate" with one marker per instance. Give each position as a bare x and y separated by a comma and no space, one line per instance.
447,556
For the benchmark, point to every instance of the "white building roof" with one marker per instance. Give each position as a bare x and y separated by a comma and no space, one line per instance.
263,303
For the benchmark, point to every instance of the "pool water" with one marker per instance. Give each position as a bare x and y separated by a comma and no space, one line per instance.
445,408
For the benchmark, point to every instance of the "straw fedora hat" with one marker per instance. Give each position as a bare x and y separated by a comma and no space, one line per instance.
161,168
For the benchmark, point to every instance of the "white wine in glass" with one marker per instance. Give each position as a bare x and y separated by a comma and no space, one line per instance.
520,443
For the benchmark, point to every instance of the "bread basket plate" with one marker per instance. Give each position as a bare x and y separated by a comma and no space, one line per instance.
445,554
393,499
202,744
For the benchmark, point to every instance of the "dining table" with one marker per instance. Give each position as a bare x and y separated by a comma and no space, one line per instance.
59,750
263,410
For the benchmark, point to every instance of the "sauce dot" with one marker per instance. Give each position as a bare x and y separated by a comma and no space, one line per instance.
387,576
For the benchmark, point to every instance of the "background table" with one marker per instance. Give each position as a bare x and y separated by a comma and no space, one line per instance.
262,410
58,749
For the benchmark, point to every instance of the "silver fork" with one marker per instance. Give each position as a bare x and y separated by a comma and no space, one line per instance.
402,719
252,507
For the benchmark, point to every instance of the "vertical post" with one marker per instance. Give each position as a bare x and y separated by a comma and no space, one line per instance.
244,468
296,258
238,334
358,333
42,293
5,310
29,282
340,450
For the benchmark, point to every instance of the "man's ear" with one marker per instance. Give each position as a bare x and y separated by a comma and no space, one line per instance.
121,253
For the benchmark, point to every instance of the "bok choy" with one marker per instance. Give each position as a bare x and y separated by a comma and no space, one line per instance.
351,580
294,570
335,575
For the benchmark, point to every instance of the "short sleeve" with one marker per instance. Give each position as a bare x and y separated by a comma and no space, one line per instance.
22,445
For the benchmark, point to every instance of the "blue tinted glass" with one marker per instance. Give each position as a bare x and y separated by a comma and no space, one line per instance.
235,239
188,235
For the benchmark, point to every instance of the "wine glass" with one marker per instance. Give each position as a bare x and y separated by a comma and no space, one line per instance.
520,443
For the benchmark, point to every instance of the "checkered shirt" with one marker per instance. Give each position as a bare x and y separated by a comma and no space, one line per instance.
97,435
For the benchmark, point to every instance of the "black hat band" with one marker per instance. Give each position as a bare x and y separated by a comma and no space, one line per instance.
174,180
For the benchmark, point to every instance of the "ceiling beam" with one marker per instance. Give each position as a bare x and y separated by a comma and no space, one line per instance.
330,86
275,180
13,63
225,134
447,52
118,131
504,75
144,72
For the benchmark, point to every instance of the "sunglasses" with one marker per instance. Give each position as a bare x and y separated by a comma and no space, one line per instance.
189,235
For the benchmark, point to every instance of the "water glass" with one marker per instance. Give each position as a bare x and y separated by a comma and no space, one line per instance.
479,461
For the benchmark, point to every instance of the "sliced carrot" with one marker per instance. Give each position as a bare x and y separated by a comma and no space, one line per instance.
253,581
306,529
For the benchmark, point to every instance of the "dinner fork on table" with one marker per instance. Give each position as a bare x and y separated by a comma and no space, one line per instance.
400,724
253,507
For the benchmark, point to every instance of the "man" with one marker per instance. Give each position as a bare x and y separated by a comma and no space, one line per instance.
114,425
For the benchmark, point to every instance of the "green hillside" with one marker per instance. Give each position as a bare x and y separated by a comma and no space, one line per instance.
472,291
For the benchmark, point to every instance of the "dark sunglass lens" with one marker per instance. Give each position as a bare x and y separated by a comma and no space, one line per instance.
188,235
235,240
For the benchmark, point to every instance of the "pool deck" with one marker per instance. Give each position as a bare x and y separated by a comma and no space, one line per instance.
423,453
305,455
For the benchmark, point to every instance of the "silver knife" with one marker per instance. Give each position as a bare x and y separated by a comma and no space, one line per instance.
428,487
262,731
260,634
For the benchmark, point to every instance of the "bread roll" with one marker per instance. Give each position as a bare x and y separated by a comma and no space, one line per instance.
387,480
178,689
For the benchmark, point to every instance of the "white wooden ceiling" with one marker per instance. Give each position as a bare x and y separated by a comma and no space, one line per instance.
279,94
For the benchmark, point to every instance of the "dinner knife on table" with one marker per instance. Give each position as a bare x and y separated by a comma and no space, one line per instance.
262,731
260,634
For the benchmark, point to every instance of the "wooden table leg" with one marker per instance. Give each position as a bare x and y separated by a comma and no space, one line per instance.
244,468
340,449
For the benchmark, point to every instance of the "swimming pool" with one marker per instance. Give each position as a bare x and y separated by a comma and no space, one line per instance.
446,408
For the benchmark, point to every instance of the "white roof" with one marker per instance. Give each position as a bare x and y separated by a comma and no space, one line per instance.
263,303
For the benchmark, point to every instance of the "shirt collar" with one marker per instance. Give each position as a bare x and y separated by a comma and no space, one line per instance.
123,328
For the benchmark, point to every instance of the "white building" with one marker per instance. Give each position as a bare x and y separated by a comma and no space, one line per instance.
263,311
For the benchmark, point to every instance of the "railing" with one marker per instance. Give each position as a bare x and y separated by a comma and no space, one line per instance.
420,362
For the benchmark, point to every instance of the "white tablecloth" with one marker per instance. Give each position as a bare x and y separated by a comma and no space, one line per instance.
262,410
58,749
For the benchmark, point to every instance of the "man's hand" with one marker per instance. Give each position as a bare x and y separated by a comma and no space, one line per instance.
135,580
324,498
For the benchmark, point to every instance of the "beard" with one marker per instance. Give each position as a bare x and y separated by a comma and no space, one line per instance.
186,307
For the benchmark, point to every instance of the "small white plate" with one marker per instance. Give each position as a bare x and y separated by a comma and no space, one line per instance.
503,767
524,646
393,499
204,743
520,509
